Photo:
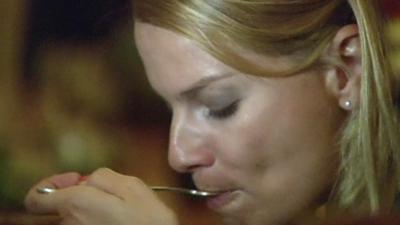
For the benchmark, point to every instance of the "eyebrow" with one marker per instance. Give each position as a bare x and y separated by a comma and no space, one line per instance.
202,83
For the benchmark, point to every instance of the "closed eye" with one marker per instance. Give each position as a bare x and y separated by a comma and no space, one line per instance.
224,112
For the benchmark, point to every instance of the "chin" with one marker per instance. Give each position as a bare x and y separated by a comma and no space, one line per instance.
252,221
258,216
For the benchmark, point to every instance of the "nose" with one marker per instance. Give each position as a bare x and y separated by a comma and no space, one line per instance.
188,145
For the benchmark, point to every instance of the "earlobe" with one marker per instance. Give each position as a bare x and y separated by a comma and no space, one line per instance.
344,77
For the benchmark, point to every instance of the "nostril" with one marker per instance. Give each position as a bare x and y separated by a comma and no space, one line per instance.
193,168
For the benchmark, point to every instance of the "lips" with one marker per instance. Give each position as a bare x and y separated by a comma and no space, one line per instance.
222,200
225,196
227,190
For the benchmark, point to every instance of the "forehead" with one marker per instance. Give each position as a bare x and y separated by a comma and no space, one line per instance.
172,61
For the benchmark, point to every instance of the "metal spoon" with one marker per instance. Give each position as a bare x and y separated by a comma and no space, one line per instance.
192,192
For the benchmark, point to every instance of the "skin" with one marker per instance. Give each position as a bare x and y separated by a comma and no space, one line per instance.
268,144
98,201
274,154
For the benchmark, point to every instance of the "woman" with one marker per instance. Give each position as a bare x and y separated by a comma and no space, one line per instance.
285,107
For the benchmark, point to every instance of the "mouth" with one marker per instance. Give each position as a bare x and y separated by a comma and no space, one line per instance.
222,200
226,192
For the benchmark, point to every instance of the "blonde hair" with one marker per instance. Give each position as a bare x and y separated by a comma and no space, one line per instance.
303,29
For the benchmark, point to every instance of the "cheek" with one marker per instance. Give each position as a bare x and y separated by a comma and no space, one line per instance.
243,142
280,138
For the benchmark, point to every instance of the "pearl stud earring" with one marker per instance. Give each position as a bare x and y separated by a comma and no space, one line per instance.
349,50
348,104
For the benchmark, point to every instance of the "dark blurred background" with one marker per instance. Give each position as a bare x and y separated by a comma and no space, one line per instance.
74,97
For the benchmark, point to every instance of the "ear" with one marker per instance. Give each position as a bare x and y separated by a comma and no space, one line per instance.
343,76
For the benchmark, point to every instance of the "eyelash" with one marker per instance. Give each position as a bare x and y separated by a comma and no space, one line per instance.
225,112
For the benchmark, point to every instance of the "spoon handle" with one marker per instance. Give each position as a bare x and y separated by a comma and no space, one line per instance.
192,192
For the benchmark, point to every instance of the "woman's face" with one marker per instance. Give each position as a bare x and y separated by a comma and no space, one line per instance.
268,144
